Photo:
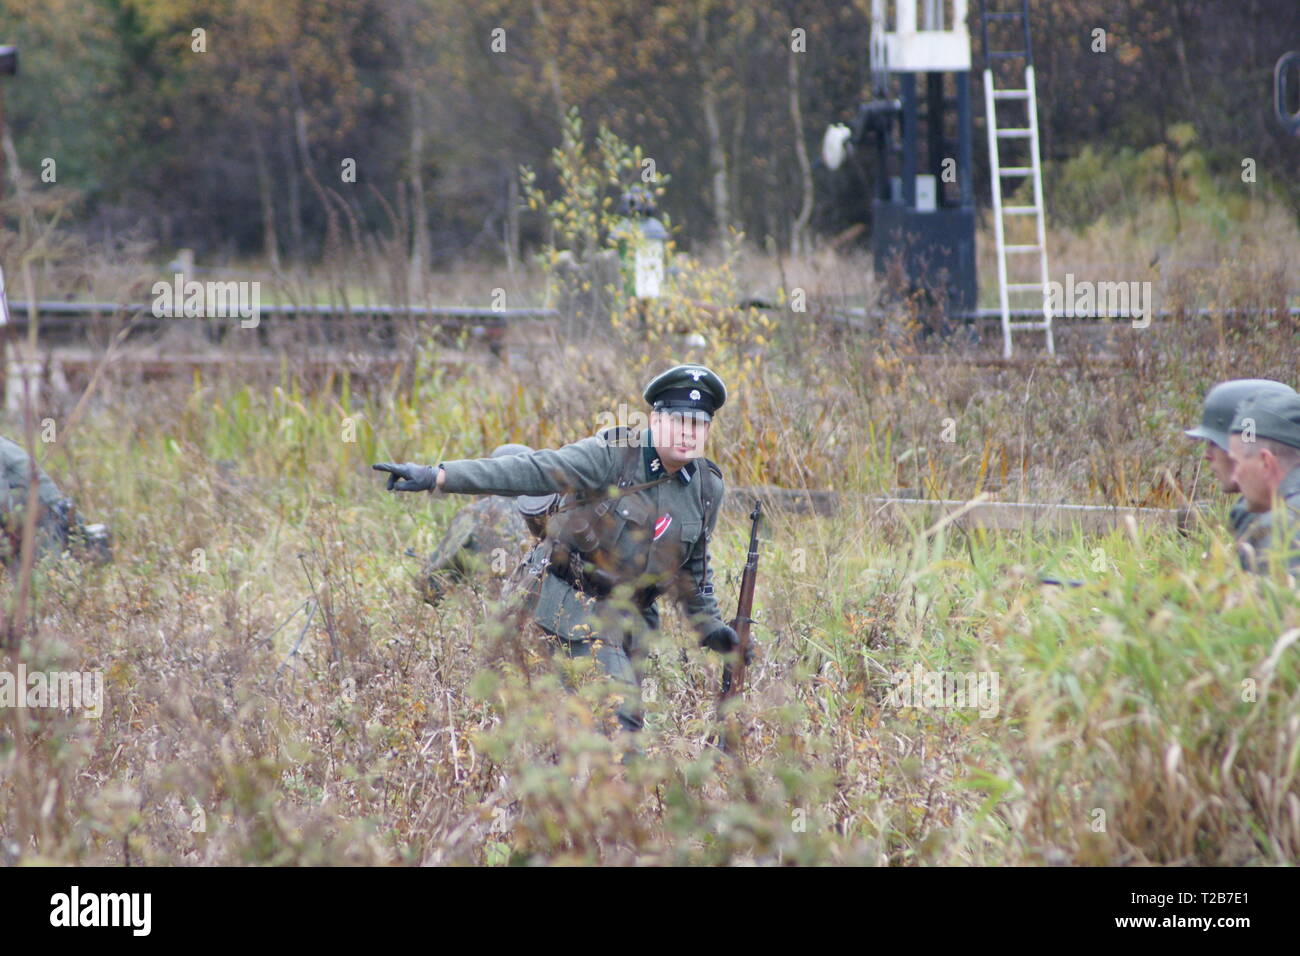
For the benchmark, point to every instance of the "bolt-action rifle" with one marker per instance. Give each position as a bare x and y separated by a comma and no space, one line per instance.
733,671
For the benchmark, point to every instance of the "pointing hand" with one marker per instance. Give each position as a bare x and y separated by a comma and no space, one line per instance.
412,477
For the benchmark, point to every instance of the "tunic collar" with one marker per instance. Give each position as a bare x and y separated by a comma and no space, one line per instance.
654,468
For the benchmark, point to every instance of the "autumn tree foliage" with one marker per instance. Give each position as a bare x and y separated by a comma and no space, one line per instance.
247,128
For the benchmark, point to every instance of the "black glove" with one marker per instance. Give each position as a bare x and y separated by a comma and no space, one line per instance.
414,477
724,640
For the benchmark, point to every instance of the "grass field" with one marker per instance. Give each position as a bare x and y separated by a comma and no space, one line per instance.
1150,716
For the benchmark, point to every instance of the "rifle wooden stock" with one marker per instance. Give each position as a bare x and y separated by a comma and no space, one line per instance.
733,672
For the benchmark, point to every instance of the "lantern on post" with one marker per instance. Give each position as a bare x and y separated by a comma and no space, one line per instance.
642,243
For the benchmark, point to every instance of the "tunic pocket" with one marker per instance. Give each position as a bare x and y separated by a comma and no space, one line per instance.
633,514
633,509
692,529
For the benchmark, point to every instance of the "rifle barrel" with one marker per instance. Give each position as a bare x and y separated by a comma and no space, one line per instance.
733,673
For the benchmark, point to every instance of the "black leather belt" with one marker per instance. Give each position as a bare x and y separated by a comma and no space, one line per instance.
564,572
642,598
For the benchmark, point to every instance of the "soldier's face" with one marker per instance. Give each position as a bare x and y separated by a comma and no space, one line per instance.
1252,473
1222,465
678,438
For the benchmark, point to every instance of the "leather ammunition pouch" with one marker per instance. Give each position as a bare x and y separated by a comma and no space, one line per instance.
586,530
523,587
599,541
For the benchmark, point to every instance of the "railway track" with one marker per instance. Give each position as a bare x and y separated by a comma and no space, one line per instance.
1031,516
370,340
74,335
375,326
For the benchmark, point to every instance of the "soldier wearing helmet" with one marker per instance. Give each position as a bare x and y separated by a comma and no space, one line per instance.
1265,447
58,526
1216,417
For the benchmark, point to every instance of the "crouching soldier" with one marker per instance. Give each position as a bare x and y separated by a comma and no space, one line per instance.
58,526
639,508
1220,406
1265,446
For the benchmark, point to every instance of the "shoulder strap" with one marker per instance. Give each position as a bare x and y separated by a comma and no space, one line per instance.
631,456
713,474
713,467
605,495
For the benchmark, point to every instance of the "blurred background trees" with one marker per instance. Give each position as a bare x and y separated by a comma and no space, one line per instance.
236,141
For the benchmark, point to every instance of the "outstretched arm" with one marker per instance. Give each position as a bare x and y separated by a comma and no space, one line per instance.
583,466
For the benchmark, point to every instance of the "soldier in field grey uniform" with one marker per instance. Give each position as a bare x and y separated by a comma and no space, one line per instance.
483,539
638,511
1265,447
1216,416
58,527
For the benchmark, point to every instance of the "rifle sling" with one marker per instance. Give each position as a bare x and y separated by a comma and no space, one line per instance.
606,496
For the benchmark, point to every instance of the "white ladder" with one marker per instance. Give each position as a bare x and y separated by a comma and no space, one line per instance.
1034,172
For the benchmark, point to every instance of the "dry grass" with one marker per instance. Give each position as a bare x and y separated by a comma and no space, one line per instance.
400,734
